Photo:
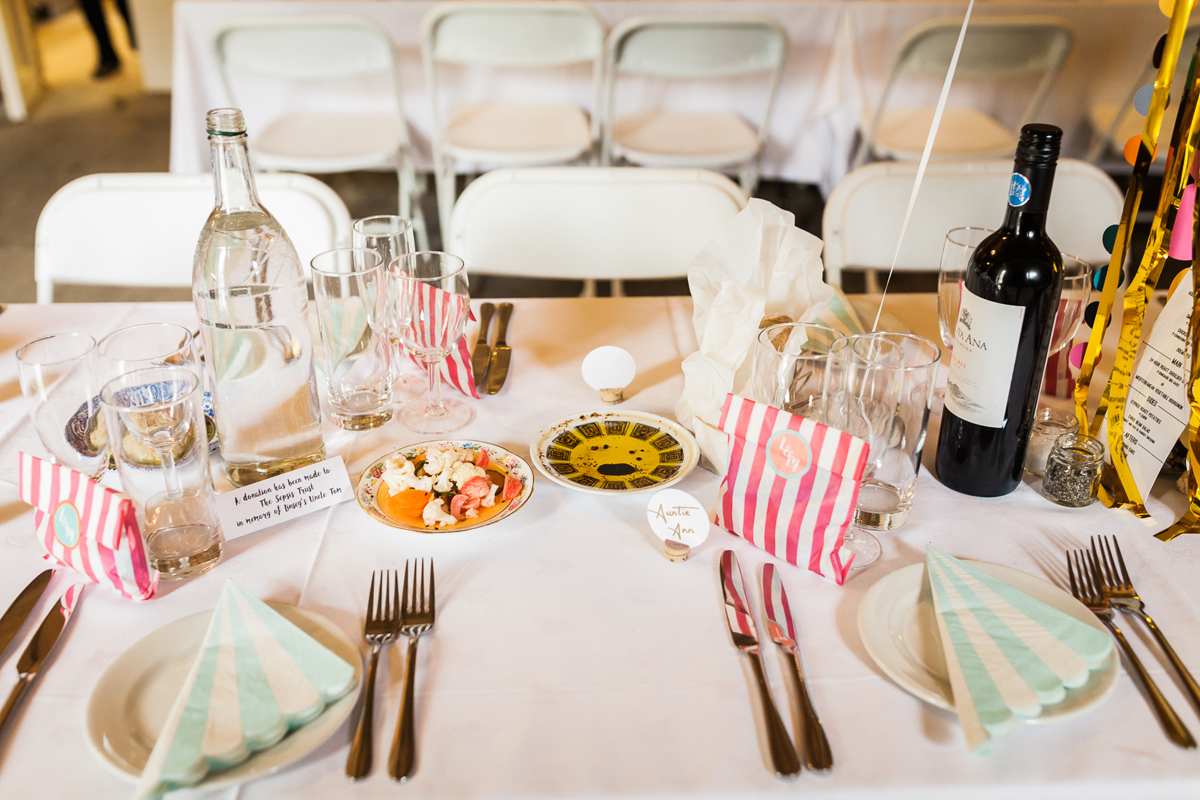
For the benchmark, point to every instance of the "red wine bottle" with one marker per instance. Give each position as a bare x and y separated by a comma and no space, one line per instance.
1003,332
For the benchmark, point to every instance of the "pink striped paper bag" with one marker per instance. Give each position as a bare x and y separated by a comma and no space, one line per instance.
791,486
1058,380
440,312
87,528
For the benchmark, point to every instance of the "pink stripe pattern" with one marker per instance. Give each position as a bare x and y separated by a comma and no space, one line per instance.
436,317
87,528
792,485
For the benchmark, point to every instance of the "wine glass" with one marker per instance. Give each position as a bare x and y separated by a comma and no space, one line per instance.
432,307
391,237
862,395
59,378
789,366
1076,291
152,344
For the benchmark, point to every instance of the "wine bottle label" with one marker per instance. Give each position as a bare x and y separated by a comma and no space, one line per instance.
1018,190
981,363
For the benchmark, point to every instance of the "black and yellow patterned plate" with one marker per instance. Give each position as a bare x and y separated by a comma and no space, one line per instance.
615,452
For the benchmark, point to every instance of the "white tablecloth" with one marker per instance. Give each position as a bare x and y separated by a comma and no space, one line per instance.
839,59
570,658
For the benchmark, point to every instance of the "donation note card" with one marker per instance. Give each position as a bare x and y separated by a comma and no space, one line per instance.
283,497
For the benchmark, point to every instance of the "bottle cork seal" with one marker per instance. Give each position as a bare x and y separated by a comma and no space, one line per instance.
676,551
612,396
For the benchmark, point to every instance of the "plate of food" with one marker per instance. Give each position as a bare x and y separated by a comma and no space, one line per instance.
436,487
620,452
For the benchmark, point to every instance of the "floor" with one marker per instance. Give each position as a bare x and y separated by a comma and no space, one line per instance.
84,126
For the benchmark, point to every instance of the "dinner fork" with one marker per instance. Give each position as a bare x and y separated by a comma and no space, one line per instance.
417,618
1118,588
1087,591
379,628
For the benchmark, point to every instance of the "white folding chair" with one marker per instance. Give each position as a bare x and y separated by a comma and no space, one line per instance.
691,47
1000,48
295,51
865,211
84,234
589,223
1114,124
525,34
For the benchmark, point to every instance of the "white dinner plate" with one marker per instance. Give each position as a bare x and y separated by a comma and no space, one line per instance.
132,699
899,630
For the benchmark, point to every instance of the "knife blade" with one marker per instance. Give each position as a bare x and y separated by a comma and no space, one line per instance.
501,353
34,656
817,754
18,612
482,354
740,618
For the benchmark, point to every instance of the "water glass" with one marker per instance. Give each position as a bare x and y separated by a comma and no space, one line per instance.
350,287
391,237
153,344
59,380
789,366
158,439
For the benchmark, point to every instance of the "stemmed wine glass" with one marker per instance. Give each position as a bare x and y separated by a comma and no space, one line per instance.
391,237
432,307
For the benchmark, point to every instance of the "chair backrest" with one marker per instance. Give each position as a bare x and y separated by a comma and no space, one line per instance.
865,211
84,234
996,47
590,222
532,33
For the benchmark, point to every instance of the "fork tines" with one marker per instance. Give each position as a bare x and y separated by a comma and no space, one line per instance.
386,607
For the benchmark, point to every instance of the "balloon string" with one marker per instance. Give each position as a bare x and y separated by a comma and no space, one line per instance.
933,129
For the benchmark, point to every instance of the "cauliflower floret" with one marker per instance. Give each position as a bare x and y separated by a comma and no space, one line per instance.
405,477
434,513
463,471
444,483
490,500
438,459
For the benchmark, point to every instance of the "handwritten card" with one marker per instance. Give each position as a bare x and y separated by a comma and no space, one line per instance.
678,517
283,497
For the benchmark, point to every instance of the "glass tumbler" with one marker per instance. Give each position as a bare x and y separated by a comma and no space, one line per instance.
350,286
157,424
789,366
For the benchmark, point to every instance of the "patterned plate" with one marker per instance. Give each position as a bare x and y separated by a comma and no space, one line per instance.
615,452
368,484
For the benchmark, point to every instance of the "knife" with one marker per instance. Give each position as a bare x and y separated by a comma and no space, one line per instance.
745,638
482,353
817,755
18,612
34,656
501,353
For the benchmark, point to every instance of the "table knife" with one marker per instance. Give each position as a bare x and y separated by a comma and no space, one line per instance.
19,611
817,755
34,656
482,353
501,353
745,638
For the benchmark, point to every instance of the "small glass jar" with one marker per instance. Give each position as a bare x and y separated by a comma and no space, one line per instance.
1048,425
1073,470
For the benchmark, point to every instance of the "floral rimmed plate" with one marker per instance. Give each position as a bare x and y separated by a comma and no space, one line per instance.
615,452
512,465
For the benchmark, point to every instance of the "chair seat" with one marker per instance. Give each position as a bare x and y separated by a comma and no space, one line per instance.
683,139
964,132
517,134
319,143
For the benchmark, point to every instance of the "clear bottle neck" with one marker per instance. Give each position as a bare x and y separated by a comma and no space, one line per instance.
232,176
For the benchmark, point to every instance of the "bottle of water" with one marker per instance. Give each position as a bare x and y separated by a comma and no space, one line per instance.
252,301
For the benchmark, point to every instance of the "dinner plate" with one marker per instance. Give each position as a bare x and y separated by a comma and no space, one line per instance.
513,465
899,630
615,452
130,703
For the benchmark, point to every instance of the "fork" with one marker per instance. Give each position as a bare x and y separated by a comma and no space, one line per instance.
417,619
379,628
1118,588
1088,592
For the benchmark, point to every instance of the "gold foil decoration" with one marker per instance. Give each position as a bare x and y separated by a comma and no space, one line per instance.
1112,404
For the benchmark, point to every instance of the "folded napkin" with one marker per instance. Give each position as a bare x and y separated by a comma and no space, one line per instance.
759,265
1008,655
256,677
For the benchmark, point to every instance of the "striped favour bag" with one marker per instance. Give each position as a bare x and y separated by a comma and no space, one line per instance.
791,486
440,312
87,527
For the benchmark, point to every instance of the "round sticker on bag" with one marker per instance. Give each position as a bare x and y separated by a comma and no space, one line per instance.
1018,190
66,524
788,454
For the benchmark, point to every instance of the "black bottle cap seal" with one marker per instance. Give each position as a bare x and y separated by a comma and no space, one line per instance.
1039,144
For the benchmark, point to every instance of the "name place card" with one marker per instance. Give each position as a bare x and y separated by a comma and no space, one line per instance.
284,497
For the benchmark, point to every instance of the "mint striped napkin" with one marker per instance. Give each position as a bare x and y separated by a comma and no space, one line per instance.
1008,655
256,677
